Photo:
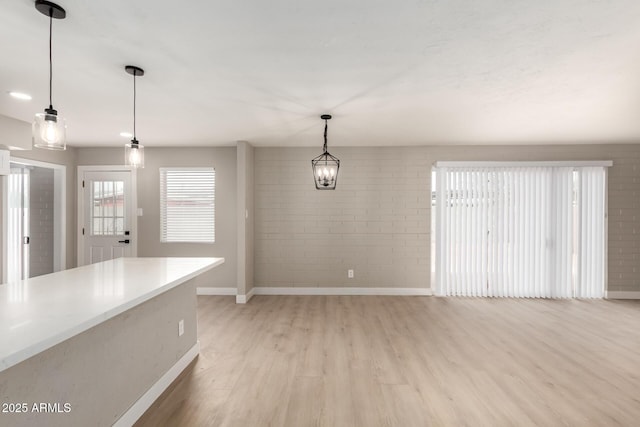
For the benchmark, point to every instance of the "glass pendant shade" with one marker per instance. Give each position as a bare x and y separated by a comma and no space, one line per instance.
49,131
134,155
134,151
325,171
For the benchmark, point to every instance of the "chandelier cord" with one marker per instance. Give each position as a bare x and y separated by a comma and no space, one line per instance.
325,135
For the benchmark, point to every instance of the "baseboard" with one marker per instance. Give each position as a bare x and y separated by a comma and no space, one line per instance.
342,291
243,299
137,409
216,291
623,295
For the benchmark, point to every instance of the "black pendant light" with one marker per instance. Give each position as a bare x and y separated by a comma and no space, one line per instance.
325,166
134,152
49,128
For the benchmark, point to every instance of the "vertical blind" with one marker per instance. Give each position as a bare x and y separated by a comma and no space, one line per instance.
520,231
591,258
187,205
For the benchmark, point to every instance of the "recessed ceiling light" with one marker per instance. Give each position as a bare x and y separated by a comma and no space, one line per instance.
20,95
126,134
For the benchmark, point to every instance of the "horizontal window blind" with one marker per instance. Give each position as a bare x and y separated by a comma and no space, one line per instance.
187,205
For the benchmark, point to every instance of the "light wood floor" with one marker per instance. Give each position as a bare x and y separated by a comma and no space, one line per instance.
408,361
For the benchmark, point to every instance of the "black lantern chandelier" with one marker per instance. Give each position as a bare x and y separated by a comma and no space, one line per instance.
325,166
49,129
134,152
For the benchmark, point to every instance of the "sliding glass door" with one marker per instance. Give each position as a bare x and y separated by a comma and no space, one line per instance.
530,231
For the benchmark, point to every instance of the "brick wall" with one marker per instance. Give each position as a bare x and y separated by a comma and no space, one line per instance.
377,221
41,222
624,220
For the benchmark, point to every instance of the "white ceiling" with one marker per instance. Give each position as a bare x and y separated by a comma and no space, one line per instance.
391,72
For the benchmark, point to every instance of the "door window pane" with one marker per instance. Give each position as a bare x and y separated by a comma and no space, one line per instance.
107,215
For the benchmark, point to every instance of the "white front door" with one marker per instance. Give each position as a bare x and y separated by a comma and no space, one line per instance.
108,215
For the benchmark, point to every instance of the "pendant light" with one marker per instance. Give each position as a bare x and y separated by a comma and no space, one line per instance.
325,166
134,152
49,128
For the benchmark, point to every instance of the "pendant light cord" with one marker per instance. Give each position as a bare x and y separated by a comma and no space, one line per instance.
325,136
134,106
50,58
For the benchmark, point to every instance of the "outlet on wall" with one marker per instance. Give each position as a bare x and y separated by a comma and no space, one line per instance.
181,327
350,274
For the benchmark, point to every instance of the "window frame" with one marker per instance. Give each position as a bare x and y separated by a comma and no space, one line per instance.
164,220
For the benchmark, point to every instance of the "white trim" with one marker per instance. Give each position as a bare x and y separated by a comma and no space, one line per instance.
175,230
4,183
215,291
623,295
137,409
605,238
480,164
5,167
243,299
188,168
341,291
80,206
59,208
36,163
107,168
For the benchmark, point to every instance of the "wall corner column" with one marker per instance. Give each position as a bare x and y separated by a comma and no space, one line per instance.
244,216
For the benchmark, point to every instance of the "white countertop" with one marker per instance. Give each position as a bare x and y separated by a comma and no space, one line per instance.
38,313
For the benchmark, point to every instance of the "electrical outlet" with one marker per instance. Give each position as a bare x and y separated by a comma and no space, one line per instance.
350,274
181,327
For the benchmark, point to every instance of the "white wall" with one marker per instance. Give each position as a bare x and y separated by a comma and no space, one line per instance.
377,221
223,159
14,134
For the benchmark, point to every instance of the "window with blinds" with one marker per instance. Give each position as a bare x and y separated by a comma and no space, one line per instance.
520,231
187,205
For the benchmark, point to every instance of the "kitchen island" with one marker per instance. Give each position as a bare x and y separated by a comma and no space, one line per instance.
95,345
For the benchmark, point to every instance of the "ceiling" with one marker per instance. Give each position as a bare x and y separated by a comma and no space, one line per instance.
391,72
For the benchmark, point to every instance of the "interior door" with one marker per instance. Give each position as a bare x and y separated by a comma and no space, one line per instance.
108,215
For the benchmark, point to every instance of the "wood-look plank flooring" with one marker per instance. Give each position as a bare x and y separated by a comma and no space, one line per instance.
408,361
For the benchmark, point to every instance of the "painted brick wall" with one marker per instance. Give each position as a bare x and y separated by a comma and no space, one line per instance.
624,220
41,222
377,221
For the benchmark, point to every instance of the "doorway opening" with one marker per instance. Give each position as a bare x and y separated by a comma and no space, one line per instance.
33,220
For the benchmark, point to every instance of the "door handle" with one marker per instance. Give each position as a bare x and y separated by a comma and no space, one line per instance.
123,241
